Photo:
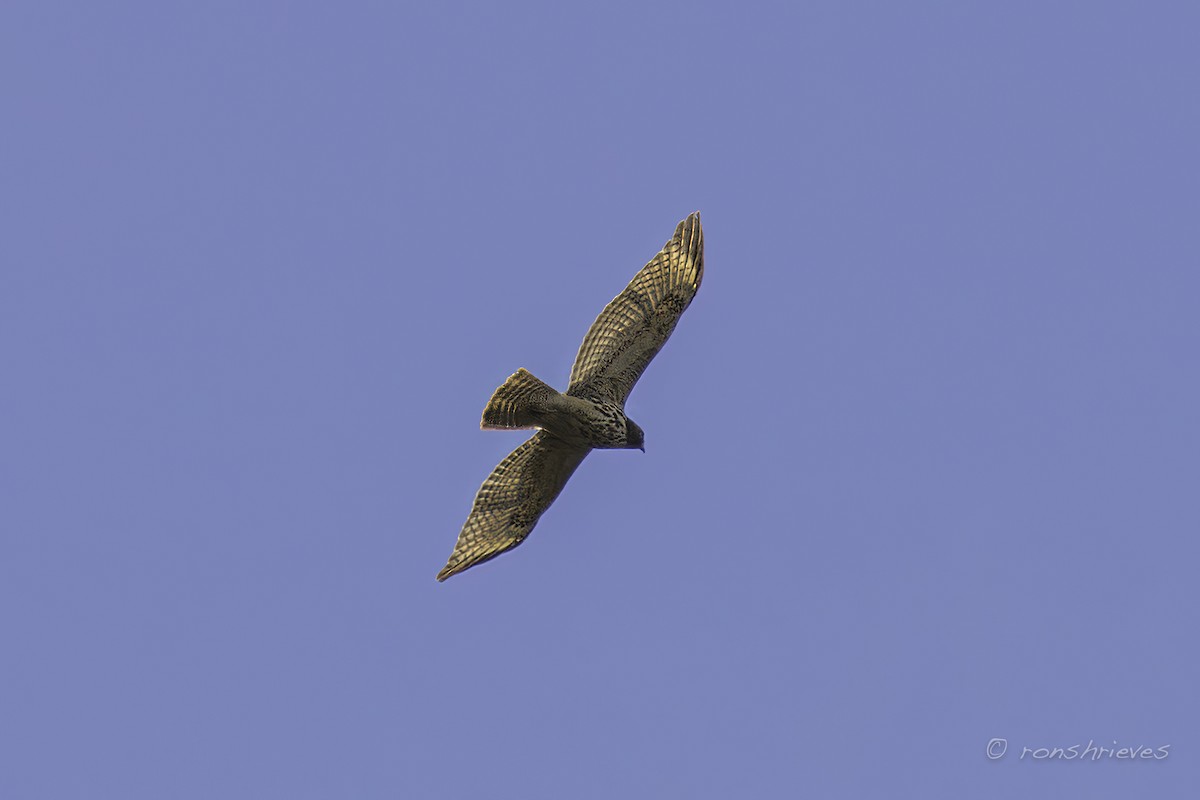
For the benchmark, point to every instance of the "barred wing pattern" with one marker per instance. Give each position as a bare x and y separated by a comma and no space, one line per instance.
512,499
632,328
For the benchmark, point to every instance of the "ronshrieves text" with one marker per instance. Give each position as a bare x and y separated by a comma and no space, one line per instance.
997,748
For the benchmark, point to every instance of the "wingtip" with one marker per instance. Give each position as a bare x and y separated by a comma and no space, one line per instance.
690,233
690,223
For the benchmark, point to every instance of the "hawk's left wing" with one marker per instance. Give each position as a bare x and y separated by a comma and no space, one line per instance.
635,325
512,499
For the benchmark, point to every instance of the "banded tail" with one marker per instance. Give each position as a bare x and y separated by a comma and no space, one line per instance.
513,405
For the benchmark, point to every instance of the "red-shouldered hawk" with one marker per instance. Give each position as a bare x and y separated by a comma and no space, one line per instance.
628,333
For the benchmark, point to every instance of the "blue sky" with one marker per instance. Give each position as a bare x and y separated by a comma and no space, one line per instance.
921,461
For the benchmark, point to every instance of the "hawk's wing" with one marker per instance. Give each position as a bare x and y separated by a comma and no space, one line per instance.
634,326
512,498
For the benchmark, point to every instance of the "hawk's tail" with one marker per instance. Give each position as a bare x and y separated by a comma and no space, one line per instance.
513,404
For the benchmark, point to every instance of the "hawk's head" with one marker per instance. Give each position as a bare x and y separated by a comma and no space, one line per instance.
634,436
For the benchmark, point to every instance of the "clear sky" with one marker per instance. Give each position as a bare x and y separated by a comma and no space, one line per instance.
923,456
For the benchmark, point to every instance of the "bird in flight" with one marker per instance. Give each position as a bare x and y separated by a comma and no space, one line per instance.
591,414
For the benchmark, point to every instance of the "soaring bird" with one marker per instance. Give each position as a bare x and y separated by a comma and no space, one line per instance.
590,415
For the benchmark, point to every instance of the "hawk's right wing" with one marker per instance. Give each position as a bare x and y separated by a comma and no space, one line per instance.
512,499
635,325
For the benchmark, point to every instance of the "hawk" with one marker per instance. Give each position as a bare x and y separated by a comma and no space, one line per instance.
590,414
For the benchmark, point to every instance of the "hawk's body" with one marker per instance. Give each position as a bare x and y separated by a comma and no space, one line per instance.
591,414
